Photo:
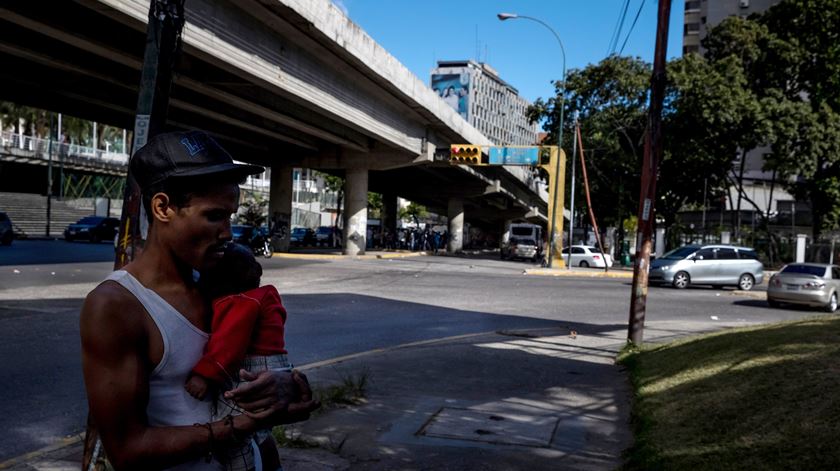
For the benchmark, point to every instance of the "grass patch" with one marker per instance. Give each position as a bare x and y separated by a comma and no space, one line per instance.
288,438
755,398
351,390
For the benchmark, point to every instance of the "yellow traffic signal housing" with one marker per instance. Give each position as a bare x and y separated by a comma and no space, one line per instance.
465,154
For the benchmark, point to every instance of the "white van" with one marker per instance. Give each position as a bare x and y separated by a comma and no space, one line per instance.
522,240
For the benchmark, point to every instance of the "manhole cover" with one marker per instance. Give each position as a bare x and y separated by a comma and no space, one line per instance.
492,427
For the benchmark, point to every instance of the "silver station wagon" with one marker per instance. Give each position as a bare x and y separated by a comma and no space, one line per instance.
716,265
808,284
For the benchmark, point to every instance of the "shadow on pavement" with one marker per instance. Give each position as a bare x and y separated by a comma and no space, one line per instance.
44,336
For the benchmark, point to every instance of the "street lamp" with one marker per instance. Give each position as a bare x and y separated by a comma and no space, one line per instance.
514,16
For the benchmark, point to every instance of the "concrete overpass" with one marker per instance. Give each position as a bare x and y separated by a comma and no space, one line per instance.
281,83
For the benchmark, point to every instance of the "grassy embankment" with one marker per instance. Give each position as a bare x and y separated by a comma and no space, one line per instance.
754,398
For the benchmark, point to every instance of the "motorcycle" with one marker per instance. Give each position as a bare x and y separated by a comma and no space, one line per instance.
261,246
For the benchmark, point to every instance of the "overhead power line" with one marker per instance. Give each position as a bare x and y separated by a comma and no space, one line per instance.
618,27
638,12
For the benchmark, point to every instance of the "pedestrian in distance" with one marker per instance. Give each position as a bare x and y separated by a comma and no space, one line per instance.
247,331
145,327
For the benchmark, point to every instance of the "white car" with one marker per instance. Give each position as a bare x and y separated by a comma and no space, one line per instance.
586,256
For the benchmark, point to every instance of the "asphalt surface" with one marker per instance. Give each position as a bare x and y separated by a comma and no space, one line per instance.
336,307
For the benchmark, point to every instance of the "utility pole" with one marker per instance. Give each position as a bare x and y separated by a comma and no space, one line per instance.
703,225
49,179
163,39
61,156
572,199
650,169
589,201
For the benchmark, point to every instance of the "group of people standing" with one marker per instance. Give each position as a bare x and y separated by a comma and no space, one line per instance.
416,239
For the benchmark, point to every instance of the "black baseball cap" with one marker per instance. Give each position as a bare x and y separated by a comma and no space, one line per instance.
184,154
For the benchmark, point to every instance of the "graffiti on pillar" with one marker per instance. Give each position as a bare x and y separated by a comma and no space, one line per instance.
279,226
358,239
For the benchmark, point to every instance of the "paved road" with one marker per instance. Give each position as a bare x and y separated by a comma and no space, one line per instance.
336,307
38,252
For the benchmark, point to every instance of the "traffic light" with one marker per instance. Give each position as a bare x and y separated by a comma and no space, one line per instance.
465,154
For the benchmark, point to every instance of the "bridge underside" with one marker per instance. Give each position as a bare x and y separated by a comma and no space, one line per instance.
84,58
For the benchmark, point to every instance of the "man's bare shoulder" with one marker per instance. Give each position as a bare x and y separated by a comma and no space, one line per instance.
111,306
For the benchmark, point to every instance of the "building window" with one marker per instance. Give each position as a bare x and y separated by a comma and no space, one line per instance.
691,49
691,28
692,5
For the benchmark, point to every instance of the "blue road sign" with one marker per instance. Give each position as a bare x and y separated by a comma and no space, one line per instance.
514,156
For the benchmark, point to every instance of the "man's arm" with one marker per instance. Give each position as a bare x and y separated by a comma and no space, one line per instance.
116,369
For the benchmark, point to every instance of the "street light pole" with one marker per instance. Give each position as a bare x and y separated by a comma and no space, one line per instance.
556,183
572,199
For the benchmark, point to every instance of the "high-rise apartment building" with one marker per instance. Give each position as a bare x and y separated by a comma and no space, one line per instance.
486,101
703,15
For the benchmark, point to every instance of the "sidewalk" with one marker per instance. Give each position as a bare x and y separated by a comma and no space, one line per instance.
532,399
614,272
332,254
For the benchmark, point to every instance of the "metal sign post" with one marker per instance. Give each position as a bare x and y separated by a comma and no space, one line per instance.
163,38
549,158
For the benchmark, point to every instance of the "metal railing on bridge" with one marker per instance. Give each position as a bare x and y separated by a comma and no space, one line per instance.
18,145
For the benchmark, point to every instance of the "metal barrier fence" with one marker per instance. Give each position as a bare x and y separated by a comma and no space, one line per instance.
43,147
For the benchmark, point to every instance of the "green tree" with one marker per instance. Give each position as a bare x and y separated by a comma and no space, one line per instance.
77,130
374,205
791,64
254,209
610,98
711,117
413,211
806,61
334,184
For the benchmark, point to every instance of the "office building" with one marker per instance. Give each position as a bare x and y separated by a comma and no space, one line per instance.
486,101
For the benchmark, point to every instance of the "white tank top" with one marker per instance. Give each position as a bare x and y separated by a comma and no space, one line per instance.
183,344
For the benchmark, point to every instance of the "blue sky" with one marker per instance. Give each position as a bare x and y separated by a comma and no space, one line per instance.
420,32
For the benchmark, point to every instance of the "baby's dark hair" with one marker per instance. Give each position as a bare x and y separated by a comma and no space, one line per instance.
236,272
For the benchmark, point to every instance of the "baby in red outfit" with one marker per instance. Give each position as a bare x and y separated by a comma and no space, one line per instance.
247,331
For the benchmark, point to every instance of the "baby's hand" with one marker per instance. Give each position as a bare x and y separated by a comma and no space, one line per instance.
196,386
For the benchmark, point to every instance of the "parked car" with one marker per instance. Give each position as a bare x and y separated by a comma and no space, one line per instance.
517,247
7,234
716,265
808,284
92,228
586,256
302,236
324,236
242,234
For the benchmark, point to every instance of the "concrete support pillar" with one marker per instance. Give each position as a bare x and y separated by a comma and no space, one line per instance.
455,213
660,242
389,216
800,247
280,207
355,204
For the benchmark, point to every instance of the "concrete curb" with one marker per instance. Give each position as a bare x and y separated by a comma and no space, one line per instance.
334,256
32,455
578,273
749,294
